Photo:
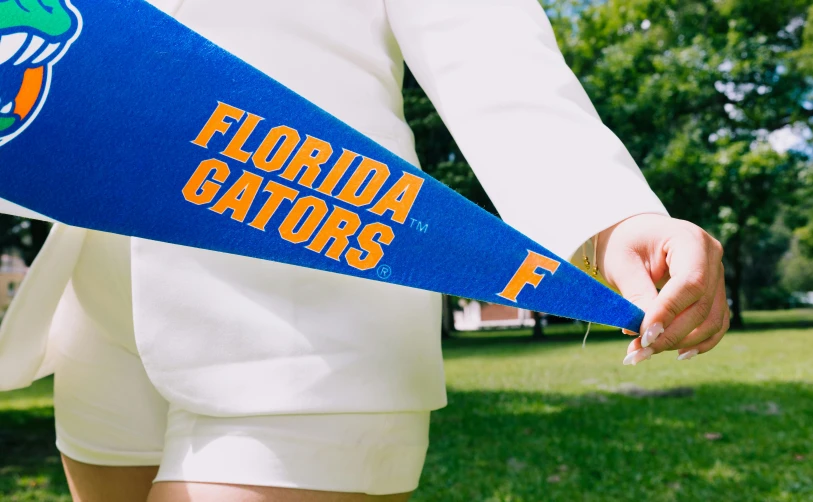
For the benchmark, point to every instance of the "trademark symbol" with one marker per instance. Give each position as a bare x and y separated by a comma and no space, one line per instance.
419,225
384,272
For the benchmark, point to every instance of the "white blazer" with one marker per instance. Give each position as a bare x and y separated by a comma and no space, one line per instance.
230,335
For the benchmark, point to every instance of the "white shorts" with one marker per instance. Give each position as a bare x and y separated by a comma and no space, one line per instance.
108,412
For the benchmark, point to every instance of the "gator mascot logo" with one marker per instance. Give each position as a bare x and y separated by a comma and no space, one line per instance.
34,35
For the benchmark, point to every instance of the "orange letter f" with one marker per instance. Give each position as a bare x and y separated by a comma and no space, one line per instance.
527,274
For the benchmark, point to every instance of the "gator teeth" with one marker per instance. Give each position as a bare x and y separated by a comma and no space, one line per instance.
51,49
33,46
7,109
25,47
10,44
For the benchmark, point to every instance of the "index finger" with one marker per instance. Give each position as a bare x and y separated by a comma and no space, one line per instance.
691,275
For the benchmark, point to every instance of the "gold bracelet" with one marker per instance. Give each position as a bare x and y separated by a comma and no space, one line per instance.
587,267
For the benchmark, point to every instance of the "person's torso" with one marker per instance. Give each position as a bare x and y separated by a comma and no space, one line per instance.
222,334
225,335
340,54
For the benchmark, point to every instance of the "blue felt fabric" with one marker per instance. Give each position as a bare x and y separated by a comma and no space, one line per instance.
112,149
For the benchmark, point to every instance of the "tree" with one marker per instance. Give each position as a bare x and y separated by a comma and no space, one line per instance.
797,270
697,89
538,332
447,316
28,236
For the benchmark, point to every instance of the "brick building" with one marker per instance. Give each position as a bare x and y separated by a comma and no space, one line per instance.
479,315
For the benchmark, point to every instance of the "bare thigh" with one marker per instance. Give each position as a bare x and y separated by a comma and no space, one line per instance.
203,492
94,483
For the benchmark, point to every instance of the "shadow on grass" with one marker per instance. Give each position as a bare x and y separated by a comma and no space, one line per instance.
574,332
495,338
726,442
30,468
773,325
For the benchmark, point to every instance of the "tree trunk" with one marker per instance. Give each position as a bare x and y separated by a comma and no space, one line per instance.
735,283
447,318
538,333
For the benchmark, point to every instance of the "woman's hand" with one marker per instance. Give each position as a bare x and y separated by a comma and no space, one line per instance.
649,252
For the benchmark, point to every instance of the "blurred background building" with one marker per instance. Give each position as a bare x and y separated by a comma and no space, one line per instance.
474,315
12,272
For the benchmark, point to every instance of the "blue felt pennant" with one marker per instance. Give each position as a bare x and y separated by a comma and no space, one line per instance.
115,117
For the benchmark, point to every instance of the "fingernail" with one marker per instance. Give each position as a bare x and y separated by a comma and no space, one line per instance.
651,334
638,356
688,355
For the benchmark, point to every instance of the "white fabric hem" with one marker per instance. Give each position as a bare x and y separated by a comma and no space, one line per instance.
90,456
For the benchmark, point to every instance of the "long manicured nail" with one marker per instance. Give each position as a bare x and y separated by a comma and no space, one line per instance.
688,355
636,357
651,334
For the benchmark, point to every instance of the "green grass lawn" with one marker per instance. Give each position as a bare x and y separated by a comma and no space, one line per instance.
30,468
551,421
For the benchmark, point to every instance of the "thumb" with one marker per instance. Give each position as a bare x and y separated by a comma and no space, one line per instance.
636,285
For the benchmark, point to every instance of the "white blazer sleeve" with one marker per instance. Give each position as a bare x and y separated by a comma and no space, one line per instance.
496,76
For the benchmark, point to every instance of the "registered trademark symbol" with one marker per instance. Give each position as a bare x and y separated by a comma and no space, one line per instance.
384,272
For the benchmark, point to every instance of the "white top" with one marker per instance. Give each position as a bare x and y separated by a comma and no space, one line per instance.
224,334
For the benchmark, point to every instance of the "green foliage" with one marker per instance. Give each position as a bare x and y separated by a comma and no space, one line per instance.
762,286
796,270
804,56
27,236
804,211
655,68
30,467
694,89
